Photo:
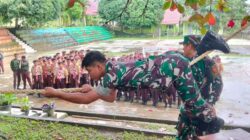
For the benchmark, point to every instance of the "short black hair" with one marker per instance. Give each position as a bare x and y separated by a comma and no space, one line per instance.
91,57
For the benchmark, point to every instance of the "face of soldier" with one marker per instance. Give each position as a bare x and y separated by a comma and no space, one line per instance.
96,71
215,69
16,56
188,50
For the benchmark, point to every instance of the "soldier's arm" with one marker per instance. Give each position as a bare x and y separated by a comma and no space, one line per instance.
80,98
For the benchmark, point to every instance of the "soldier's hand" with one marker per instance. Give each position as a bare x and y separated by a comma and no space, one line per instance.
214,111
86,88
49,92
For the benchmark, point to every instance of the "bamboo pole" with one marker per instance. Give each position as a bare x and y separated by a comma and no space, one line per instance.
33,91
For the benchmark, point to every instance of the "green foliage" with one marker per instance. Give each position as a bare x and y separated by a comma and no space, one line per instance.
7,99
30,12
167,5
75,12
73,15
212,15
110,9
135,16
24,129
24,103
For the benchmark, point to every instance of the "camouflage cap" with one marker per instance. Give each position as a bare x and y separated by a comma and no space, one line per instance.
193,39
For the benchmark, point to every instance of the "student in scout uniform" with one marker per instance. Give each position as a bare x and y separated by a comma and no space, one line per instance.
61,76
37,75
47,73
74,72
84,79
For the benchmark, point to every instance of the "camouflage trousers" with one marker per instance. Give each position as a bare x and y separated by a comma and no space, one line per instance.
190,129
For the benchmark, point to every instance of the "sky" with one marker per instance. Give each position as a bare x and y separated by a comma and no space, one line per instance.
248,1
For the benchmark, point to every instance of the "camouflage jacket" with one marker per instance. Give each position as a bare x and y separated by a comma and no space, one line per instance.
161,71
15,65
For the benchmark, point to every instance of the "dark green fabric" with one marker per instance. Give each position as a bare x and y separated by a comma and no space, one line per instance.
15,65
25,66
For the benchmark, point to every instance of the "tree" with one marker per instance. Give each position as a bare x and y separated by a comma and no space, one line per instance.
132,14
76,9
75,12
30,12
229,8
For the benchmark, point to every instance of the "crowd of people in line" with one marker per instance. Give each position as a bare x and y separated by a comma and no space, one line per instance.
156,77
63,70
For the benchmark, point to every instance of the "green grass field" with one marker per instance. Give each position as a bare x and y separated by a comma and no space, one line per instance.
24,129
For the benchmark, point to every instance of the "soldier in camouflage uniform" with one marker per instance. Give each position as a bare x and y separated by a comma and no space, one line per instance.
15,67
213,88
25,73
205,71
160,72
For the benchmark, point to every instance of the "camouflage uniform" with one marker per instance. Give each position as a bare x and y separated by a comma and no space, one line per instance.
209,84
210,87
213,90
161,72
15,67
202,71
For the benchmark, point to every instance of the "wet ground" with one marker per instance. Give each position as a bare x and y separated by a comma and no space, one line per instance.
234,105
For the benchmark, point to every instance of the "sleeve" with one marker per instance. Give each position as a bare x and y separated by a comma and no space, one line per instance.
209,63
102,90
189,92
110,79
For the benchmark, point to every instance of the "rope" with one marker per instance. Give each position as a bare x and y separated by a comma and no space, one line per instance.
34,91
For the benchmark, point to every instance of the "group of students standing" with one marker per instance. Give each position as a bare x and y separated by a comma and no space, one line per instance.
63,70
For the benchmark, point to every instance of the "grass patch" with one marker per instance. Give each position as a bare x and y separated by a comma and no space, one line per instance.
25,129
169,128
235,55
147,38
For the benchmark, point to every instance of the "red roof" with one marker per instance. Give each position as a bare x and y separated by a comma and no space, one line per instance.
171,17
